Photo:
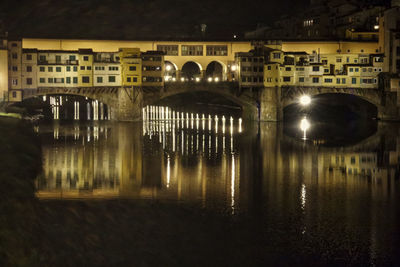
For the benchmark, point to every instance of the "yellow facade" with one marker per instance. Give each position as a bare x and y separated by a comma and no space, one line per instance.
3,74
85,68
131,67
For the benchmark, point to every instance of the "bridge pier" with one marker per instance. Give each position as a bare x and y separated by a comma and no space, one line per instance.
270,107
389,110
130,104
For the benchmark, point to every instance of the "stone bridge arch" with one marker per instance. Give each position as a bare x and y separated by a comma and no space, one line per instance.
247,104
291,96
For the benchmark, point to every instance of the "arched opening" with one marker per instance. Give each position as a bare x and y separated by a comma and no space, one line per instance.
215,71
331,119
170,71
191,71
202,102
61,107
333,107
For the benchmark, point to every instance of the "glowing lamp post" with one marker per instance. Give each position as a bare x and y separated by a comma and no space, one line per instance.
305,100
304,126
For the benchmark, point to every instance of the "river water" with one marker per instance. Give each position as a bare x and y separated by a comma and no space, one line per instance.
332,188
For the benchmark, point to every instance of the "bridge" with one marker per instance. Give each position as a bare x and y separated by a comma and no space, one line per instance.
264,104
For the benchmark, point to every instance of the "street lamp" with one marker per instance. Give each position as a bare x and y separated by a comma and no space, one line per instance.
305,100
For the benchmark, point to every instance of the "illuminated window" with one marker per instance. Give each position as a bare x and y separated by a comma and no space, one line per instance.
217,50
192,50
170,50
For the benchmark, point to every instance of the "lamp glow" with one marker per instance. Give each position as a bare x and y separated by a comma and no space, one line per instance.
233,67
305,100
168,67
209,79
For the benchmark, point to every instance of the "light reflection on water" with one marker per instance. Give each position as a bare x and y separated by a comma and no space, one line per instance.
221,164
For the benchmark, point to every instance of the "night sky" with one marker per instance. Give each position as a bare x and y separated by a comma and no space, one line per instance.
139,19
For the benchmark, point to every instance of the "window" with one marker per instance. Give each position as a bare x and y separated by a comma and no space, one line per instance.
14,55
14,94
29,81
85,79
132,68
269,67
41,69
28,57
347,60
29,68
111,79
356,69
192,50
68,68
128,79
325,61
68,79
72,57
338,80
170,50
86,58
328,80
351,69
75,79
217,50
301,79
315,68
42,58
14,44
14,68
58,80
315,80
82,67
58,69
50,69
100,79
134,79
338,59
276,55
115,68
326,70
42,80
89,68
58,58
354,80
50,80
344,80
288,68
75,68
14,81
353,160
286,79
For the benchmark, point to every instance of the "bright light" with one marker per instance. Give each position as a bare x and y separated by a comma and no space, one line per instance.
167,78
182,79
216,79
233,67
376,27
305,100
168,68
304,125
234,36
174,79
209,79
197,79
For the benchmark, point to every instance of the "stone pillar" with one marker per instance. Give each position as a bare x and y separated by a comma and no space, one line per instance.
270,108
130,104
